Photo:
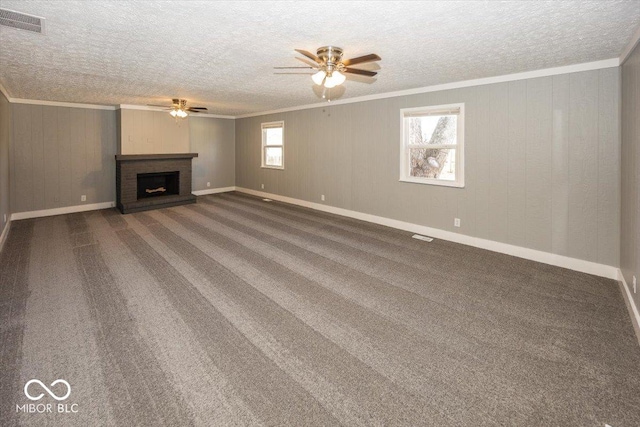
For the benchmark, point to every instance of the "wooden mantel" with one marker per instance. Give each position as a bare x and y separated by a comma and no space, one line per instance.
130,157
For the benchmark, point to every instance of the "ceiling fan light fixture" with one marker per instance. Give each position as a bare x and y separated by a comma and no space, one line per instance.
330,68
336,79
178,113
329,83
178,108
319,77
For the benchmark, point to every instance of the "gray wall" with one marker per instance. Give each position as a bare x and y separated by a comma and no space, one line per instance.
630,214
151,132
542,163
5,142
146,132
59,154
214,141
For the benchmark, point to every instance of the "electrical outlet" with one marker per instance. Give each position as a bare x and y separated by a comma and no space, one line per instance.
83,198
634,284
262,186
208,184
322,197
456,222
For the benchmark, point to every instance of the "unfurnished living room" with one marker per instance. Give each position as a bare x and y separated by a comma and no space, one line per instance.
336,213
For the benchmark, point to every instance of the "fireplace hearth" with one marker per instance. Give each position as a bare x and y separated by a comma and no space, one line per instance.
146,181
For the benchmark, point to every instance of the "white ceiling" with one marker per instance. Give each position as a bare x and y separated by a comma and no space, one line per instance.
220,54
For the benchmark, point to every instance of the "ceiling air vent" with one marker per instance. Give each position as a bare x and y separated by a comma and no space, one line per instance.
21,21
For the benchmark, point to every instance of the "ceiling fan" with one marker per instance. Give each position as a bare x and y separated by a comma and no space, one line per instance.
330,67
179,109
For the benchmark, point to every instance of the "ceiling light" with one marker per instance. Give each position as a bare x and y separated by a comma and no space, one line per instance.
319,77
178,113
329,83
336,79
329,66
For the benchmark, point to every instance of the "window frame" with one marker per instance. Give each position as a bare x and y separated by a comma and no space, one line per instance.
263,127
405,149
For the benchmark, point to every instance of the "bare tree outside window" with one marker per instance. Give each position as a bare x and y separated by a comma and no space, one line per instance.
431,162
432,145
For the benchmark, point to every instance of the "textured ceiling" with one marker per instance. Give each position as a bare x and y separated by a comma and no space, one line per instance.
220,54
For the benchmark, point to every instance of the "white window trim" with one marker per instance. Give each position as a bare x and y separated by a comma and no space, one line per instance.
404,149
264,146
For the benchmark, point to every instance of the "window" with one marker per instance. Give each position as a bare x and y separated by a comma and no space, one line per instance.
432,141
273,145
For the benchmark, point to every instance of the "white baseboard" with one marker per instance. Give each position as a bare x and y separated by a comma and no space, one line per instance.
61,211
5,233
589,267
96,206
631,305
583,266
213,191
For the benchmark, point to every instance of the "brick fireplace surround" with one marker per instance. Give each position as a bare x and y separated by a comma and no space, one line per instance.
128,166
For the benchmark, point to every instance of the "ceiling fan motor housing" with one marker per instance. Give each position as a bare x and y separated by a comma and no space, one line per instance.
331,57
179,103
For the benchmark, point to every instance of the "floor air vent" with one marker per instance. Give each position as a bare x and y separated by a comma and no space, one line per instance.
21,21
421,237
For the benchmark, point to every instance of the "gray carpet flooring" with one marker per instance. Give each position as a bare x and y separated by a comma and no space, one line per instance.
235,311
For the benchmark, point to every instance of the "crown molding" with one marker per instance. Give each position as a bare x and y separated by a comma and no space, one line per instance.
587,66
213,116
5,93
53,103
151,108
629,48
139,107
61,104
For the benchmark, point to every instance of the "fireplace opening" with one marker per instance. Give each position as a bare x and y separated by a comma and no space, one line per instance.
158,184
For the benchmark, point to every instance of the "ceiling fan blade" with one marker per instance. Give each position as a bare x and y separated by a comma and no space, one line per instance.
359,60
286,68
361,72
197,108
309,55
309,63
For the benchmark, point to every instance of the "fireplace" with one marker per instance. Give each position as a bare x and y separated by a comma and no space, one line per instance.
152,181
158,184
